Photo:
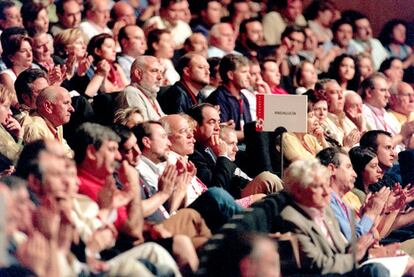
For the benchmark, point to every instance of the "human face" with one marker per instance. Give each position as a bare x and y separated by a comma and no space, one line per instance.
231,139
404,100
311,42
199,71
127,14
12,18
325,18
320,109
210,126
131,152
335,97
213,13
72,180
271,74
297,39
312,122
343,35
379,94
399,34
172,13
316,195
38,85
365,67
100,15
24,56
53,178
241,11
255,75
199,44
151,76
254,32
346,69
353,105
396,71
385,151
106,158
164,48
107,50
136,44
363,29
78,47
227,40
134,119
241,77
293,10
181,137
159,143
71,17
41,22
41,50
61,108
344,175
309,77
372,172
24,209
5,113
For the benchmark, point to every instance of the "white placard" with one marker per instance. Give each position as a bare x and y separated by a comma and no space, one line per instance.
289,111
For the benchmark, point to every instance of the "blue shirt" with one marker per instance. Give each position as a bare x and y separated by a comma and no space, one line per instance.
362,226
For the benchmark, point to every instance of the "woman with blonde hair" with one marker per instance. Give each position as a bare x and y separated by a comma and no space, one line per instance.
129,117
70,44
11,133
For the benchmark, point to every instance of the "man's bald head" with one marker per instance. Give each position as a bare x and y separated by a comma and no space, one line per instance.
54,103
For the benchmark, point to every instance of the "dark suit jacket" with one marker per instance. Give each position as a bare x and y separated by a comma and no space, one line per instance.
218,173
177,99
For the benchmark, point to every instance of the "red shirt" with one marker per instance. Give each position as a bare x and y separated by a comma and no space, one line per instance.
90,186
278,90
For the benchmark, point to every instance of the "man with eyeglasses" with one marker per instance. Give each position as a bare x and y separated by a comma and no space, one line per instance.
402,102
375,94
97,18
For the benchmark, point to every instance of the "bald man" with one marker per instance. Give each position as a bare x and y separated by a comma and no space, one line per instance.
353,109
54,108
146,77
402,102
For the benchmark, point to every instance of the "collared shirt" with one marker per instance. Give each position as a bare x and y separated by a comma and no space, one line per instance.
180,32
125,62
338,126
90,29
344,216
213,51
379,119
318,217
41,128
401,118
149,171
135,95
231,107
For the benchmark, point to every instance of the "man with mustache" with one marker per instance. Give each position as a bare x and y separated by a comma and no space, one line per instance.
146,79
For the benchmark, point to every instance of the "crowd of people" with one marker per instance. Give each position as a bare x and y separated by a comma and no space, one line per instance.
124,148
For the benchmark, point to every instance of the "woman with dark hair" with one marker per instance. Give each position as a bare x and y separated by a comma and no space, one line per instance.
17,55
366,165
393,68
161,46
35,17
306,77
344,70
108,77
393,37
320,15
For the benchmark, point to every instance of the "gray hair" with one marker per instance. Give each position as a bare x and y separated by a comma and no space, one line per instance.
302,173
91,134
